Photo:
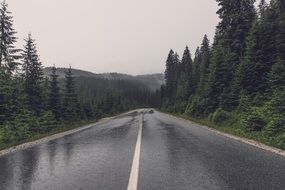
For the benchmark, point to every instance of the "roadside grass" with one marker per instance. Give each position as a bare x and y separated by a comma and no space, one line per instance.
63,127
37,136
233,128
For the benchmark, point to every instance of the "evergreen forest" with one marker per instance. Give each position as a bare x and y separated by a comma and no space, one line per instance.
34,104
237,83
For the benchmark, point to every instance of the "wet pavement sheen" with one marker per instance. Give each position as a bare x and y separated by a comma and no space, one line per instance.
96,158
174,155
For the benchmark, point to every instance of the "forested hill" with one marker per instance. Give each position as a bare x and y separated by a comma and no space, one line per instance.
151,81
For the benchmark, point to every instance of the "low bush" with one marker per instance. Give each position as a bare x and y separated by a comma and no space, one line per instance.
254,121
180,107
281,141
7,135
25,126
47,122
275,126
196,108
220,116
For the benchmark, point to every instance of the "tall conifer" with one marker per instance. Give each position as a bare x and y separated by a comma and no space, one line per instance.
230,44
9,55
33,76
71,108
54,95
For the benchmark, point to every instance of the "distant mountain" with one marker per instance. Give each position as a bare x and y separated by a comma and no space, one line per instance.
76,72
152,81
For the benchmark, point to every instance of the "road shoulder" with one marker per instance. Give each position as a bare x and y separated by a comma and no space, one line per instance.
56,136
237,138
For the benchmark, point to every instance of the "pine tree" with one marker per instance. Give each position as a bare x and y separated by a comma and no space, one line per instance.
33,76
170,76
8,53
11,97
54,95
9,87
177,64
280,45
71,108
261,54
177,73
276,104
204,54
277,76
45,93
188,71
88,110
236,21
184,78
196,69
186,62
220,75
262,7
196,106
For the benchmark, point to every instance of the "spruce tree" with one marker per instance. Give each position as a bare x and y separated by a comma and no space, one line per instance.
204,54
11,97
276,104
184,78
71,108
54,95
170,76
262,7
220,75
277,76
33,76
196,69
9,87
45,93
177,73
261,53
236,21
9,55
280,38
88,110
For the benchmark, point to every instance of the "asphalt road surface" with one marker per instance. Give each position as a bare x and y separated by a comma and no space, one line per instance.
159,153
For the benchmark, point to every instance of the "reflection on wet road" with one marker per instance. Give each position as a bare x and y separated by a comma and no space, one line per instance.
179,155
96,158
174,155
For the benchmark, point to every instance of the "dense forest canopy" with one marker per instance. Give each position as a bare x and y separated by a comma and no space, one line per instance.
239,80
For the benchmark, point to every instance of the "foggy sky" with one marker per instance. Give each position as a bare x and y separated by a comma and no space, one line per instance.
128,36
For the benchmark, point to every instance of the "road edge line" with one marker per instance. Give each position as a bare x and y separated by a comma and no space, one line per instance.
134,174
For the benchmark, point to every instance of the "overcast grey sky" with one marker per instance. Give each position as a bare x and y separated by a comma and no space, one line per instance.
128,36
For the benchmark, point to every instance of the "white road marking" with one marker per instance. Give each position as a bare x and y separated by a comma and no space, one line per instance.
133,180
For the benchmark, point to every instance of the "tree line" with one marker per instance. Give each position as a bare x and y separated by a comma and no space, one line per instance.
239,80
33,104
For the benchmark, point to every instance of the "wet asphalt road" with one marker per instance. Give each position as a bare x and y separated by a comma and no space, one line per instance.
174,155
